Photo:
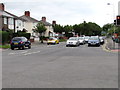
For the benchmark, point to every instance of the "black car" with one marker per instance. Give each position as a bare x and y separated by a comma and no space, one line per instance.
20,43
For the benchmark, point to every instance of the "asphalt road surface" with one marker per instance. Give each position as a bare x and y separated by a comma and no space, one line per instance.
58,66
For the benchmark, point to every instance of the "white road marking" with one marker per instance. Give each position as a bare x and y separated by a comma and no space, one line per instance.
31,53
18,53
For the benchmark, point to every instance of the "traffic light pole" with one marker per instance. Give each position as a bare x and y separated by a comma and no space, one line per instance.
114,38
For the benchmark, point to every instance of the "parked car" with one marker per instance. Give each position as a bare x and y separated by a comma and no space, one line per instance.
101,40
53,40
94,41
73,41
20,43
86,39
81,40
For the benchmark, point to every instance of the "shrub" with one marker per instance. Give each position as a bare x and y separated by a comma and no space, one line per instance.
4,37
27,35
22,34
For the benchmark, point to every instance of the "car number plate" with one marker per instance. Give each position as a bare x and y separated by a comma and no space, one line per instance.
16,43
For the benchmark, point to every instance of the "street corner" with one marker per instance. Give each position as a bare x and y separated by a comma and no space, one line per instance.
106,48
116,50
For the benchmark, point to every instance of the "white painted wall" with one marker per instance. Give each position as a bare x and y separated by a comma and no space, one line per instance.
29,26
19,25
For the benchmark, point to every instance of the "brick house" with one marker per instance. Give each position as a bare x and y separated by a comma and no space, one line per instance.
9,20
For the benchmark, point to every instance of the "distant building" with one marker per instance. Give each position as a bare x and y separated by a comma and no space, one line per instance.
30,23
49,31
9,20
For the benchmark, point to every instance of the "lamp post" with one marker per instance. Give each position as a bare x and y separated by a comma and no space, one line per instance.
113,20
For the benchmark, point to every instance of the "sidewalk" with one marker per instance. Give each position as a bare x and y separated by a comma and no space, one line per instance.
112,46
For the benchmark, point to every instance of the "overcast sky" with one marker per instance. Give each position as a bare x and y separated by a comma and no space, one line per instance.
66,11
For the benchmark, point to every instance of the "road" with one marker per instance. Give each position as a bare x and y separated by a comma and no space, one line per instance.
57,66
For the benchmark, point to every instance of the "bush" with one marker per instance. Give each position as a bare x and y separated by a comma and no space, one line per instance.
4,37
27,35
22,34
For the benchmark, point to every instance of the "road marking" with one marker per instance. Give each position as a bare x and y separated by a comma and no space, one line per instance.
31,53
18,53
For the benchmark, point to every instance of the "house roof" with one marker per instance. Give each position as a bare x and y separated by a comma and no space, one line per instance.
46,23
7,14
3,13
29,19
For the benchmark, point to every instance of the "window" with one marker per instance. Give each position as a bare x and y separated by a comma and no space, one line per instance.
5,20
11,21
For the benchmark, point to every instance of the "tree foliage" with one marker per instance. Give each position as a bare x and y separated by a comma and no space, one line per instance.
58,28
40,28
87,29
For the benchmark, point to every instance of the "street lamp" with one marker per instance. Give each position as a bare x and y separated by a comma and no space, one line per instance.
113,20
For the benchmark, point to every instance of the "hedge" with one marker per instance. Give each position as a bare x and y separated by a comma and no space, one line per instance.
22,34
4,37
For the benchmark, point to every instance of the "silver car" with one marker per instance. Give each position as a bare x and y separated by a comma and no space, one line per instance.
81,40
73,41
86,38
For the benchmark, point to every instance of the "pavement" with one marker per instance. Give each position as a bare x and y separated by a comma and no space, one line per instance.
112,46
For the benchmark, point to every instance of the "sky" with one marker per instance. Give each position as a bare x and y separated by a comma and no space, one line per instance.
66,12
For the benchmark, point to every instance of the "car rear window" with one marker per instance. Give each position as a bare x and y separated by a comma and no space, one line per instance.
16,39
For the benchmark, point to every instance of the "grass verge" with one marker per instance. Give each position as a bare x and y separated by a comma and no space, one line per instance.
5,46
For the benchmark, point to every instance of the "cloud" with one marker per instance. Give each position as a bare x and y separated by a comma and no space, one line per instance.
64,11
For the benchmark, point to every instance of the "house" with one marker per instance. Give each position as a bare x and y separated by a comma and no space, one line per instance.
30,23
9,20
49,31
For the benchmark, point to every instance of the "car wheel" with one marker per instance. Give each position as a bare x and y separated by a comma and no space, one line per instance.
66,45
47,43
88,45
29,46
19,48
23,47
98,45
12,48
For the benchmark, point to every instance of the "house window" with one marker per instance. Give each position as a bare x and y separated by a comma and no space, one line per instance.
11,21
5,20
19,23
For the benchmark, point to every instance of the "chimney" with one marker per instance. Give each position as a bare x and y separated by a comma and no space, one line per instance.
44,19
2,7
27,13
53,22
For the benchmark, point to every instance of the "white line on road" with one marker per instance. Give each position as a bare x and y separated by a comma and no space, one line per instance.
18,53
31,53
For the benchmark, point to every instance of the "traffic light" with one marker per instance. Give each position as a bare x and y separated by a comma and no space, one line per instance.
118,20
114,22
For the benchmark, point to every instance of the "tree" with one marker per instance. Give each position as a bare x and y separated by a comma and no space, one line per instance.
40,28
107,27
89,28
68,30
58,28
77,29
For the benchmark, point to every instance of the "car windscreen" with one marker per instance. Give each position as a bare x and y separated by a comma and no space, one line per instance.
51,38
93,38
87,37
73,38
16,39
81,38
